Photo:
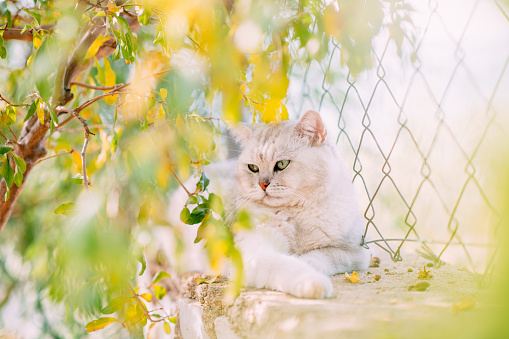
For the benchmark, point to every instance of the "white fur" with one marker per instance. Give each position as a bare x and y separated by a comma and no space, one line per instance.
307,222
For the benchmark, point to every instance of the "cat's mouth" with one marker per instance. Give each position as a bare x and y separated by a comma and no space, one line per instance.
272,200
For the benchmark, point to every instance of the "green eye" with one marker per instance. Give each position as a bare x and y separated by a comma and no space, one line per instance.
253,168
281,165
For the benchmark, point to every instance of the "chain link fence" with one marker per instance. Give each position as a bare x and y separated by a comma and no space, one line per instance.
418,129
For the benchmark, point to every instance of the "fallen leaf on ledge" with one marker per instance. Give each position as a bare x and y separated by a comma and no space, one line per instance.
353,278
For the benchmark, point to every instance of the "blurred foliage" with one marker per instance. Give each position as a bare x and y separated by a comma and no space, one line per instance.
150,87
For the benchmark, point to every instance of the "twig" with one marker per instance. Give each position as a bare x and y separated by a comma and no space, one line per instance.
13,135
85,143
99,88
180,182
65,121
91,101
5,100
53,156
74,130
142,305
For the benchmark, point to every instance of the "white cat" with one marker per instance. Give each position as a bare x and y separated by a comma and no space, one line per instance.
307,226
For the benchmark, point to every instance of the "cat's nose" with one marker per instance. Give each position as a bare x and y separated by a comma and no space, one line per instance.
263,185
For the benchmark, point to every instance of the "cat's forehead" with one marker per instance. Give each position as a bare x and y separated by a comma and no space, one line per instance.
273,142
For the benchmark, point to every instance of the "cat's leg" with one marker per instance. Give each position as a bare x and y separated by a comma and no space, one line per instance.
267,266
333,260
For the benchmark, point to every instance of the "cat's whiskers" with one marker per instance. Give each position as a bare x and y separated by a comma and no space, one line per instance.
292,192
236,203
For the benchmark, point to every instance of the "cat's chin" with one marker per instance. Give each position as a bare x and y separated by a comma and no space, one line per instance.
273,201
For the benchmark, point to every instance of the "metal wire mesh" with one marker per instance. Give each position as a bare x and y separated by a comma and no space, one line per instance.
406,129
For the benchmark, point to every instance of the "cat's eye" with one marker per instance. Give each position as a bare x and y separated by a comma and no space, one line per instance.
281,165
253,168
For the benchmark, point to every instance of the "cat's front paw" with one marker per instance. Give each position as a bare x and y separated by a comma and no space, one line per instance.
313,286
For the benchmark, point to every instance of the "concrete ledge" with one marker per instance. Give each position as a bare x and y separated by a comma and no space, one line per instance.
382,307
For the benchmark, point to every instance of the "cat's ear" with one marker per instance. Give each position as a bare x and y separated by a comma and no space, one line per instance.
240,133
311,126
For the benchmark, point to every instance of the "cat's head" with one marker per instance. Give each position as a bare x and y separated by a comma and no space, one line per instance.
282,164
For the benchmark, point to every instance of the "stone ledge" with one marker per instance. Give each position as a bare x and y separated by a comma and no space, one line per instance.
354,310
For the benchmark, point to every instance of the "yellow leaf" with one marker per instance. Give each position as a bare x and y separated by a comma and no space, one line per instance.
152,113
40,111
353,278
273,110
466,304
166,328
36,40
160,291
76,157
94,48
62,146
112,7
162,175
136,289
131,312
181,125
110,80
146,296
164,93
100,323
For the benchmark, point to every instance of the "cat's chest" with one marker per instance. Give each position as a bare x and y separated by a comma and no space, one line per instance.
310,231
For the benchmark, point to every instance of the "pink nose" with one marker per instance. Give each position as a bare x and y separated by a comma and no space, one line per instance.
263,185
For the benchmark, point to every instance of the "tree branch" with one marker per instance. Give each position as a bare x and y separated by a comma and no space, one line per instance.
30,141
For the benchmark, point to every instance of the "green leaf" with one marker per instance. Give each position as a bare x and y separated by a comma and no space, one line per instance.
192,200
167,328
128,43
5,149
40,70
18,178
100,323
144,214
7,172
216,204
69,210
31,109
200,281
197,215
172,320
184,215
9,18
20,163
159,292
141,259
160,276
203,183
114,143
35,15
77,179
144,16
53,115
115,305
3,51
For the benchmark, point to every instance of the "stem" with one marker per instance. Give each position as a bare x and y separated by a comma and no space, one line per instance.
87,133
99,88
84,160
180,182
142,305
53,156
13,135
